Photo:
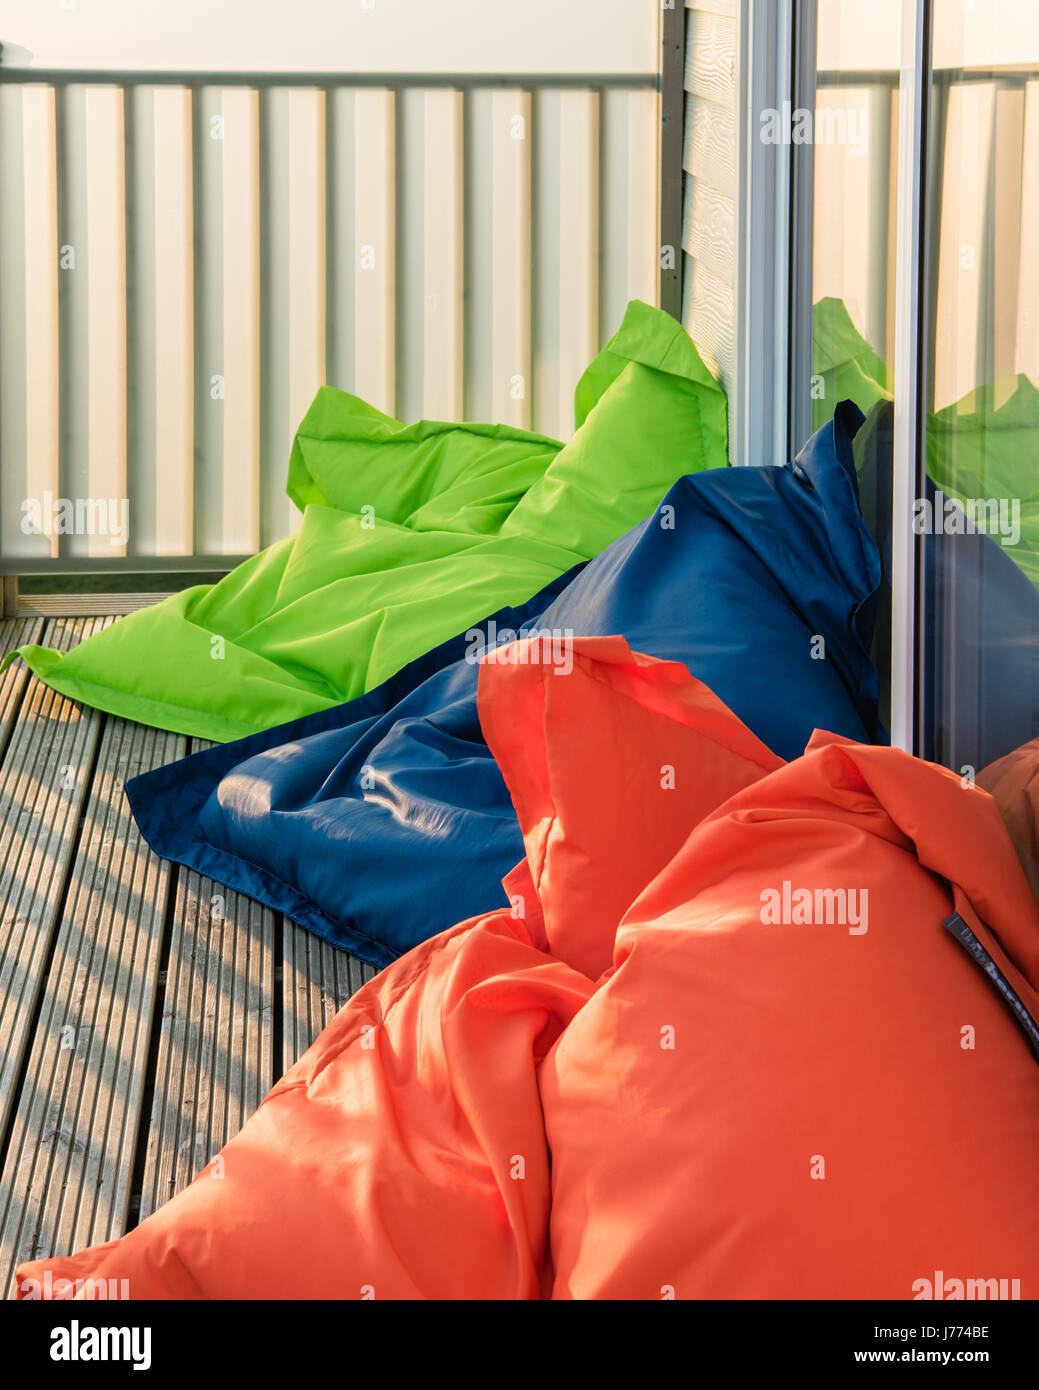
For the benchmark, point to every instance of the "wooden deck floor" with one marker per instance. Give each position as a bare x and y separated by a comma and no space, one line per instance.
144,1011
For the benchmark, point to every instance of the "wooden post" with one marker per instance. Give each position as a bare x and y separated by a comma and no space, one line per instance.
8,595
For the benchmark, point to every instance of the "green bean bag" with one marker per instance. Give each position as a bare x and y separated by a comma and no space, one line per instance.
410,533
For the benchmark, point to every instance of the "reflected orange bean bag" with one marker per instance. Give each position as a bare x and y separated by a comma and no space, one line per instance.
723,1044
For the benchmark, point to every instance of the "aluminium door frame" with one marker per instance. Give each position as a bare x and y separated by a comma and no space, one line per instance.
911,349
771,412
760,427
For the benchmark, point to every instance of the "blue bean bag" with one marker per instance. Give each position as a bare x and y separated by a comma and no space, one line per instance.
386,820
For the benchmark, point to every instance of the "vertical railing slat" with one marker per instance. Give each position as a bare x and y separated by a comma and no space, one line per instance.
410,255
545,267
306,268
29,379
963,239
240,276
227,320
479,254
162,403
216,518
1027,359
443,246
341,255
640,224
14,454
94,461
106,325
851,266
510,260
1005,216
498,277
579,241
628,197
294,332
374,247
41,295
566,253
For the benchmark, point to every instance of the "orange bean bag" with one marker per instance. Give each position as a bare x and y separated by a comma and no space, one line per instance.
722,1045
1013,782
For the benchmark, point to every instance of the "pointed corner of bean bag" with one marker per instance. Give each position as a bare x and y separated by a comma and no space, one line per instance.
652,338
324,419
40,660
611,758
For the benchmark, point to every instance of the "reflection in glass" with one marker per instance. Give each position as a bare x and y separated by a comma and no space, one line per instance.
978,503
981,535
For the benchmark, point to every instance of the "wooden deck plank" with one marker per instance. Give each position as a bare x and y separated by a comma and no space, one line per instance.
70,1158
216,1052
14,632
215,1059
119,1079
43,785
317,980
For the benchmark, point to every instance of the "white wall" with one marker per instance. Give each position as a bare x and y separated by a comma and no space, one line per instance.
453,36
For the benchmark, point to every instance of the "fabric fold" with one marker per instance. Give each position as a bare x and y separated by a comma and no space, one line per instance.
739,1105
759,580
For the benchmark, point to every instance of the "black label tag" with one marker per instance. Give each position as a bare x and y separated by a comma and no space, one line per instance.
958,928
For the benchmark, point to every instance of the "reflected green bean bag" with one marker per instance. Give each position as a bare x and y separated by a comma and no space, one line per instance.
986,448
983,448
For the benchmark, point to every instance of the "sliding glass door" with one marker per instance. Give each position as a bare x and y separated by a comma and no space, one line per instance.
923,227
978,514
